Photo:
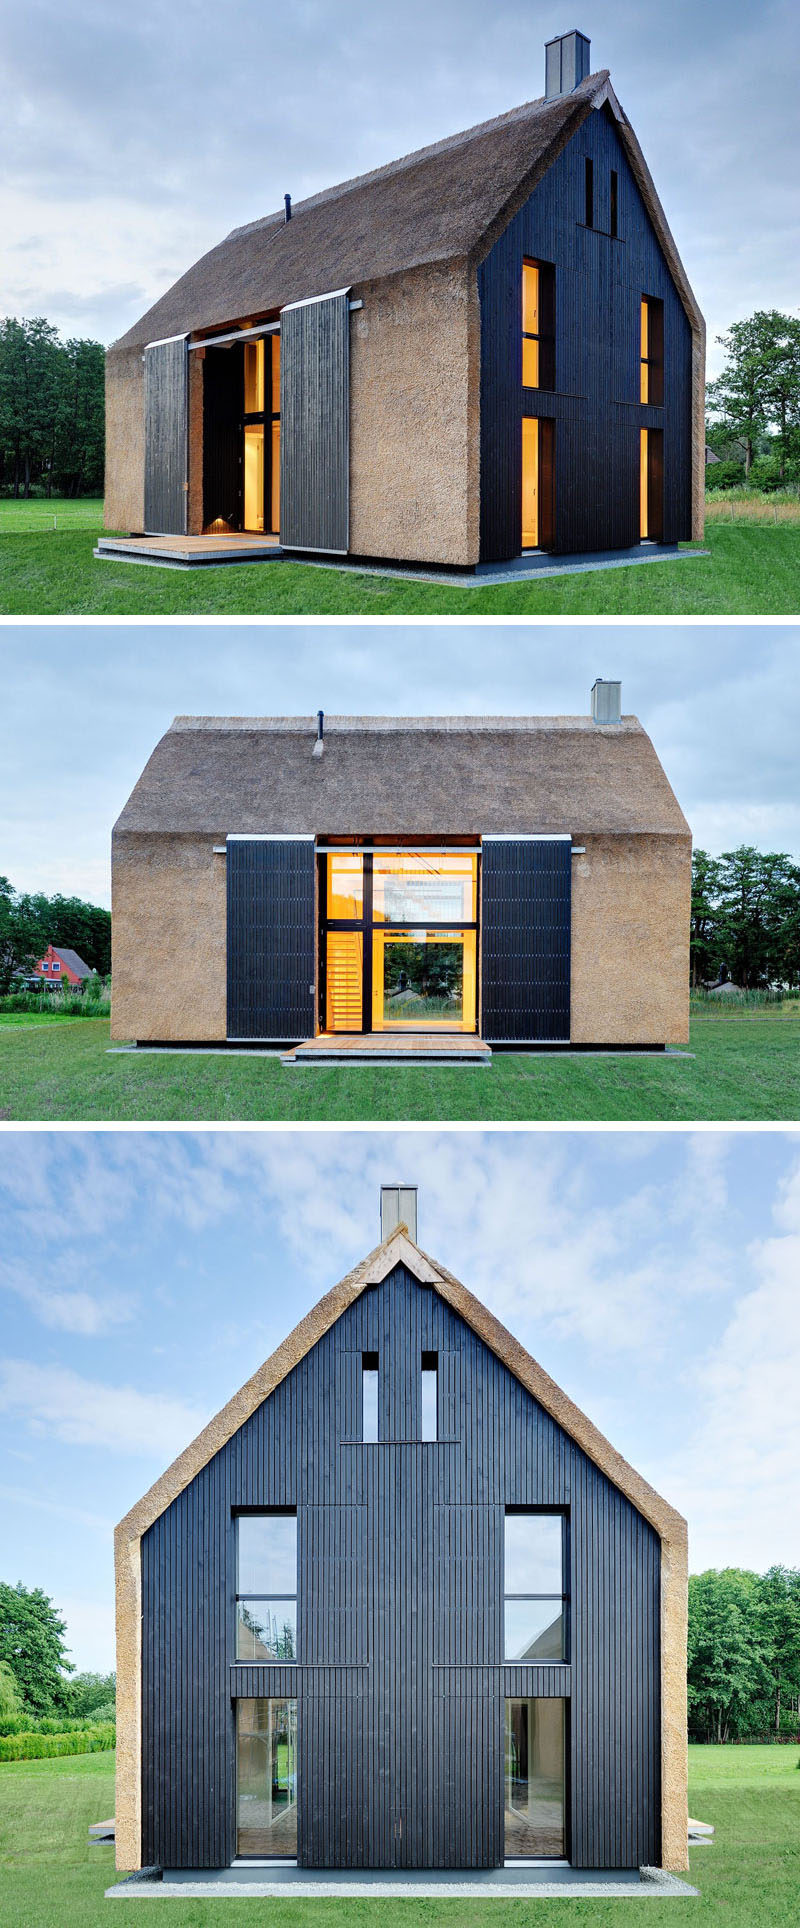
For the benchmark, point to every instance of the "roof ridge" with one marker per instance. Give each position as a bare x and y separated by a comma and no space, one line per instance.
386,725
587,87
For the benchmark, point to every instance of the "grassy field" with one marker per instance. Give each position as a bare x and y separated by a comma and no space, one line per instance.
51,1878
745,1066
753,569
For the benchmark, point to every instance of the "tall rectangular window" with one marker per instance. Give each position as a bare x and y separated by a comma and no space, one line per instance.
266,1777
534,1780
538,324
614,204
588,191
266,1587
369,1396
430,1395
534,1587
651,352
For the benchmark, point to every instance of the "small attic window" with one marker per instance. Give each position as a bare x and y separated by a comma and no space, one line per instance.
589,192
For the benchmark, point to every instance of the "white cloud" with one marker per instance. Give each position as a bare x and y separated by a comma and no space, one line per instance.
54,1400
90,1636
67,1308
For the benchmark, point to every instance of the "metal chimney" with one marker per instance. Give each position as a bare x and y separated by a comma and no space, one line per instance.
606,701
287,207
566,64
319,746
398,1206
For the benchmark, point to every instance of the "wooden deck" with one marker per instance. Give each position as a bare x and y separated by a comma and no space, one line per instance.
390,1047
188,552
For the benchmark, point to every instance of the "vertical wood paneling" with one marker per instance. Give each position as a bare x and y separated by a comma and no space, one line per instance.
315,425
270,938
599,282
526,895
166,393
400,1680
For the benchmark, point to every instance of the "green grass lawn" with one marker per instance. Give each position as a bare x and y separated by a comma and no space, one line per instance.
745,1067
752,570
51,1878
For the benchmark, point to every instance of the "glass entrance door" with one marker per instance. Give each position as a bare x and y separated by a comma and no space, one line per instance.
535,1780
398,943
262,436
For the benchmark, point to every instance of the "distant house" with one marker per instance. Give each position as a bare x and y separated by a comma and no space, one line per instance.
513,880
486,347
60,967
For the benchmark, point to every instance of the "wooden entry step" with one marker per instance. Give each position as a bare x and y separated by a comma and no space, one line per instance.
187,552
411,1047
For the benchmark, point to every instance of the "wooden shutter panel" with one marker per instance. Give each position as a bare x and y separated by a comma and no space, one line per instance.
525,939
315,425
166,388
270,893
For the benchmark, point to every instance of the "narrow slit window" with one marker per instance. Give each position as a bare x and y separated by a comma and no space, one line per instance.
369,1396
651,352
538,324
614,221
589,193
430,1395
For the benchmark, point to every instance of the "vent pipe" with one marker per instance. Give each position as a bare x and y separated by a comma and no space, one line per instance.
287,204
606,701
319,746
398,1207
566,64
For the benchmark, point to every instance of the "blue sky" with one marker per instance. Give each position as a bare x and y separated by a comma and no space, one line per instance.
135,138
85,704
145,1275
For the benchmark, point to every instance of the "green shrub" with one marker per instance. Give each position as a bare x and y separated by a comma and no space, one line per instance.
41,1746
61,1004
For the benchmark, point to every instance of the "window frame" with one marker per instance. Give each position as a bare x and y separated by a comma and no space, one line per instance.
428,1371
542,1512
265,1513
652,362
265,418
370,1364
545,338
368,925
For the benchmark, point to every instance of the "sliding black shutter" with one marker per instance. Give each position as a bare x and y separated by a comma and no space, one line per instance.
525,942
166,387
315,425
270,886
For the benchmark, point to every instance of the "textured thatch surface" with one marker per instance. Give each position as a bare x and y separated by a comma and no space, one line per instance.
399,776
435,205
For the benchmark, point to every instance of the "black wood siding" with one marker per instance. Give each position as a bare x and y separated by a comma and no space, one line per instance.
526,900
315,425
166,388
599,283
400,1682
270,937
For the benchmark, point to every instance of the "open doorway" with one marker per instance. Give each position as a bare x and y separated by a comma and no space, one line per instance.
241,437
538,473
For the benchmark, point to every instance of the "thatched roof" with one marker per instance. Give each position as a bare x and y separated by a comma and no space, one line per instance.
443,203
403,776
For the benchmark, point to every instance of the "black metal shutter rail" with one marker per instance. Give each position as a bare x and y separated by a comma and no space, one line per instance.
315,424
166,417
525,939
270,933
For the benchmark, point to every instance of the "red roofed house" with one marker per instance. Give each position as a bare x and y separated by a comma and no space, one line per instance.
61,967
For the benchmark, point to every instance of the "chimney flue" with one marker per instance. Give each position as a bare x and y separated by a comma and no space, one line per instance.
287,204
606,701
566,64
398,1206
319,746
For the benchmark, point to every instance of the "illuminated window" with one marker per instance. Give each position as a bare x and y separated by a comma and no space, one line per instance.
262,435
538,325
651,352
254,378
399,940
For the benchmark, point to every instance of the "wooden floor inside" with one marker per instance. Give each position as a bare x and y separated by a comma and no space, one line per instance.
184,552
392,1047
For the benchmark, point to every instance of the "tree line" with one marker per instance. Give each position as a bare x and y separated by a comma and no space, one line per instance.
35,1669
754,405
746,919
52,411
29,921
744,1654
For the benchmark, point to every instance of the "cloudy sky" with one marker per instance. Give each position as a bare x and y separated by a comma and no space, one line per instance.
145,1275
83,706
134,138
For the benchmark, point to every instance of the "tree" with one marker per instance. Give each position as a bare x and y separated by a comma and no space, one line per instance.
32,1645
726,1663
10,1696
758,391
52,409
779,1617
746,917
85,1693
22,938
703,941
31,921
